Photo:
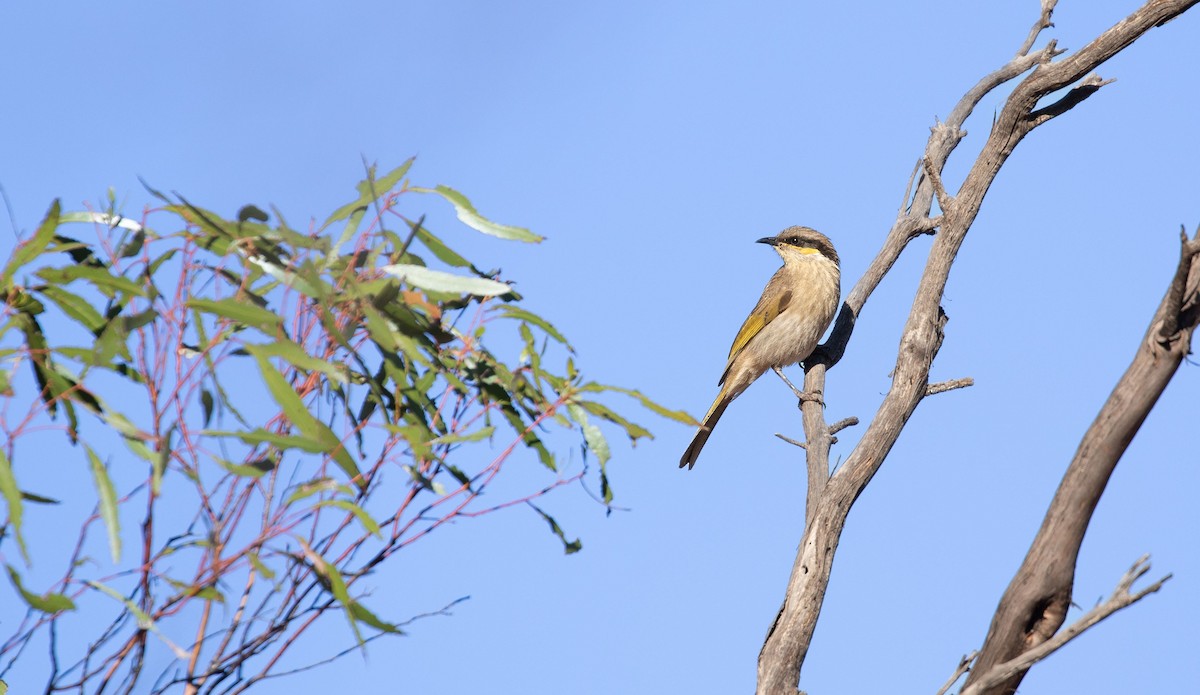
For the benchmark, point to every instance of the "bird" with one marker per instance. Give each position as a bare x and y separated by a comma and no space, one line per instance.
793,313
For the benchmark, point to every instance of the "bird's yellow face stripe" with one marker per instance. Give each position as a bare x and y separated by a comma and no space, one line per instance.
806,250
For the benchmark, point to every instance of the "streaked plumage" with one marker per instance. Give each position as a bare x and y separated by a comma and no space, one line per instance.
796,307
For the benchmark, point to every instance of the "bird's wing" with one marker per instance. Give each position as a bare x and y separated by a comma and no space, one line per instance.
769,306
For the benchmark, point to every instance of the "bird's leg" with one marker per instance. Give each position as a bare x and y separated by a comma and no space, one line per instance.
801,395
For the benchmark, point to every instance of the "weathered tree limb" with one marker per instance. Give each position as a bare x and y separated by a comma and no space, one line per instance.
829,497
964,665
1035,604
1003,673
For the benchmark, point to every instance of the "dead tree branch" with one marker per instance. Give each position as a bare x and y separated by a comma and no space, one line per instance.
1035,604
997,676
830,497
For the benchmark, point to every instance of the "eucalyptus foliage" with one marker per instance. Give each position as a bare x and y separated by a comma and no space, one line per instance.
265,416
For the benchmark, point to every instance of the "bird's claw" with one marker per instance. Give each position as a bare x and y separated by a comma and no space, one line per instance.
813,396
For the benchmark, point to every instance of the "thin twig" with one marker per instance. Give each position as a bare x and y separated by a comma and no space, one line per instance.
1043,22
964,665
789,440
906,204
944,199
950,385
843,424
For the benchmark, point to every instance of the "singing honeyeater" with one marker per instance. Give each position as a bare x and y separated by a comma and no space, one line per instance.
790,317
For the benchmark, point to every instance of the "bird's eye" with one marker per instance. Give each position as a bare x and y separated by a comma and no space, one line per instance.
794,241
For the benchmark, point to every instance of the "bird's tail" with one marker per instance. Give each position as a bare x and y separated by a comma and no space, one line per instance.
710,421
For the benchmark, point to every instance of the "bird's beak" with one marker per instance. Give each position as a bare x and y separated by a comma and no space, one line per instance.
766,240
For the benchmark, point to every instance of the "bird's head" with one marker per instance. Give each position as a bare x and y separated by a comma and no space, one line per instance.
794,243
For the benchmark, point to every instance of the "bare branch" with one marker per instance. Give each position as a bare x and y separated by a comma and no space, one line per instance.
1086,88
789,440
964,665
1120,598
1043,22
1035,603
950,385
944,199
829,499
843,424
906,202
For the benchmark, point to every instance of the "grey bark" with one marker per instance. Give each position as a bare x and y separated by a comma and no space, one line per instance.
830,496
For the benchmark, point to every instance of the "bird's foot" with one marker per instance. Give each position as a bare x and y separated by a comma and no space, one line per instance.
814,396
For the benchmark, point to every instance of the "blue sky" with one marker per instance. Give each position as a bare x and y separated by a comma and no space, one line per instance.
652,144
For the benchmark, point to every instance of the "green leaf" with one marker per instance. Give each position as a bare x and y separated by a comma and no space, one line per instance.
255,469
475,436
158,465
263,571
132,247
596,443
362,615
304,279
144,621
108,502
261,436
75,307
334,582
251,212
135,321
469,216
297,355
32,247
38,499
438,281
359,513
569,547
440,251
206,403
634,430
314,487
110,221
242,311
45,603
515,312
104,281
676,415
293,407
12,496
368,190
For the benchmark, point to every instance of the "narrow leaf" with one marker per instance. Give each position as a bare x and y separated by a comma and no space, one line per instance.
46,603
469,216
144,621
515,312
569,547
281,441
34,246
293,406
75,307
241,311
359,513
104,281
108,503
438,281
475,436
676,415
295,354
12,496
263,571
